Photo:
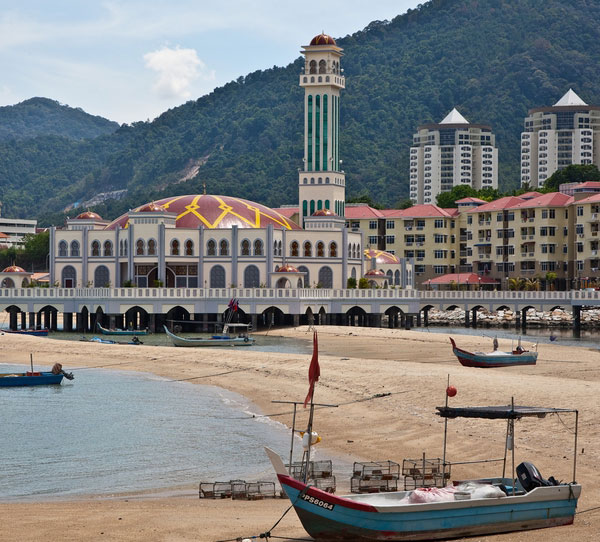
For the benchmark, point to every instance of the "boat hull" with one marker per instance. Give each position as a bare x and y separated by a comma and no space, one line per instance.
327,517
129,332
31,332
209,342
494,359
8,380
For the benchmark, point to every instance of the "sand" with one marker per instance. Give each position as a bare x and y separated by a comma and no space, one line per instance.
357,365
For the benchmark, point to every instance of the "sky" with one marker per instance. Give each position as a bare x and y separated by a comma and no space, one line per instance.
131,60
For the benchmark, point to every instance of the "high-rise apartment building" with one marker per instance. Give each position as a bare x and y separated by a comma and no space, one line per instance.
452,153
555,137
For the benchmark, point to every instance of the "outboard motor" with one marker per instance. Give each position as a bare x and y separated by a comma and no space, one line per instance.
531,478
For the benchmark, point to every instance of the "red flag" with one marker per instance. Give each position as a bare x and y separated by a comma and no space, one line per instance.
314,371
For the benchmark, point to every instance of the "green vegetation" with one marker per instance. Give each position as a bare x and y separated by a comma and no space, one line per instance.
33,255
575,173
489,59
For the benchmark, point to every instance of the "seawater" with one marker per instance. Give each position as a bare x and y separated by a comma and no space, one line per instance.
108,432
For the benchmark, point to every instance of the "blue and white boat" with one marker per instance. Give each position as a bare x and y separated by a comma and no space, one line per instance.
505,504
497,358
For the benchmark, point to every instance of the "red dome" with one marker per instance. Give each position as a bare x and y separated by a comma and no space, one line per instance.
374,273
322,39
288,269
151,208
14,269
215,212
324,212
381,256
88,215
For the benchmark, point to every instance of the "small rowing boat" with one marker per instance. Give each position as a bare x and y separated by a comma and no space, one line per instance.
35,378
224,339
105,331
497,358
30,332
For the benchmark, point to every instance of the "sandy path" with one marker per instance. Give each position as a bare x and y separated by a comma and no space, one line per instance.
356,365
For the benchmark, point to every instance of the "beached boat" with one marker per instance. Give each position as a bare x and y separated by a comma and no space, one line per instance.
101,340
471,508
105,331
31,332
224,339
35,378
496,358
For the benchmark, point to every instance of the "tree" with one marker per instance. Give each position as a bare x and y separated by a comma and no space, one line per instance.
550,278
364,197
575,173
516,283
404,204
446,200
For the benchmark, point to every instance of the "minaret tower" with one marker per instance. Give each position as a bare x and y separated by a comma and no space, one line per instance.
322,183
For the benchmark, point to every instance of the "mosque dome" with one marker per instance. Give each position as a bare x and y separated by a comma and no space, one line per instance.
374,273
288,269
151,208
324,212
88,215
213,212
381,257
322,39
14,269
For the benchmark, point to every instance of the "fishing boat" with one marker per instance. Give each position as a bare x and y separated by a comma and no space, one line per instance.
101,340
469,508
30,332
497,358
224,339
35,378
105,331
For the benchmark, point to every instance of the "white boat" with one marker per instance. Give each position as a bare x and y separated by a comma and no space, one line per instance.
225,339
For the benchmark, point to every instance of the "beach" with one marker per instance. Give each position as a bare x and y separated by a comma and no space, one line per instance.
387,384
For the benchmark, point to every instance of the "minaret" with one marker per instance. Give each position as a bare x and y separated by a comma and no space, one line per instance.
322,183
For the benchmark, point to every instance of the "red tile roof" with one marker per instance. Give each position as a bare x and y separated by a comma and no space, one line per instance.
362,211
587,184
462,278
470,200
424,210
497,205
552,199
288,212
529,195
590,199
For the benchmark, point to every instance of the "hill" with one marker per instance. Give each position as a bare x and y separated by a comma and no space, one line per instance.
492,59
41,116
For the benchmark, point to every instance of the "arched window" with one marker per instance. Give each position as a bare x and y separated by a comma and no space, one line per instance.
217,277
279,248
274,248
294,248
211,248
353,273
95,248
151,247
322,66
313,66
8,283
258,247
251,277
101,277
390,276
320,249
307,249
174,247
326,277
108,248
353,250
62,249
245,247
349,250
140,249
397,278
312,206
75,248
123,247
189,248
224,248
69,277
333,250
304,269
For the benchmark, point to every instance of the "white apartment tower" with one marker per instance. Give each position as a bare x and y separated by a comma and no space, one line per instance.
322,183
555,137
451,153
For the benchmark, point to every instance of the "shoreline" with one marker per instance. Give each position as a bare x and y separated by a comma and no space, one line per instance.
357,364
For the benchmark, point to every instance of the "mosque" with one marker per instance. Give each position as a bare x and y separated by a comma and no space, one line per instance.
211,241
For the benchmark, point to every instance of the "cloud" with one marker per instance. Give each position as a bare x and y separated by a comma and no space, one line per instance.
177,69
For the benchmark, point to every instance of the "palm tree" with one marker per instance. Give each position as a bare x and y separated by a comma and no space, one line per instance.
550,278
532,284
516,283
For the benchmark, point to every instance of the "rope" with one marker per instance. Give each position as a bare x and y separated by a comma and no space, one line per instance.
211,375
588,510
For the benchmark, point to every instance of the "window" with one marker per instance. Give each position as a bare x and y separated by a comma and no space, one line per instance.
294,248
123,247
139,247
372,239
189,248
211,248
101,277
174,247
258,248
579,210
151,247
108,248
307,249
251,277
245,247
217,277
440,223
390,224
224,248
372,224
390,239
326,277
96,248
74,248
320,249
333,250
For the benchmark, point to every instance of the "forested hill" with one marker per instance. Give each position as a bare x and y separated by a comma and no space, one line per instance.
492,59
41,116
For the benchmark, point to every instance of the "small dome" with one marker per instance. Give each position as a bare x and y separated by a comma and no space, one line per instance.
288,269
152,208
88,215
14,269
374,273
322,39
324,212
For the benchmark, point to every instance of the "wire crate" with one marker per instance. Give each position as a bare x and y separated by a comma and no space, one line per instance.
326,484
424,473
372,485
384,470
316,469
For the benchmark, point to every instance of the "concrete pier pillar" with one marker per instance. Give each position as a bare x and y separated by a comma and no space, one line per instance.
377,320
518,320
254,321
152,323
467,323
23,320
47,319
426,318
79,323
13,320
296,320
419,319
38,320
32,320
524,319
54,321
474,317
576,321
68,321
